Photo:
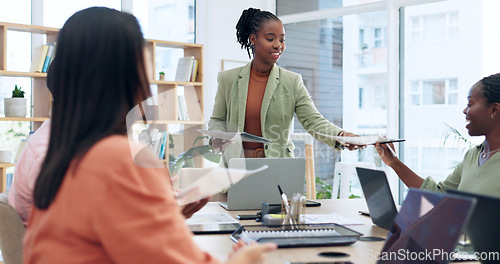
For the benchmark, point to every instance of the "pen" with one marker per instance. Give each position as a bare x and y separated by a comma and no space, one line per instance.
392,151
389,147
285,201
364,213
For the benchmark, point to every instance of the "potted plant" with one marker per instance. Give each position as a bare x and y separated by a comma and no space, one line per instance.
15,106
162,76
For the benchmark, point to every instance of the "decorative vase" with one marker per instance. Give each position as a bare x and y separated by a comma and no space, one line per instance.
15,107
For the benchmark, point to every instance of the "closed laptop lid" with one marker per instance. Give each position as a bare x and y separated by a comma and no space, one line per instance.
426,228
378,196
483,227
250,192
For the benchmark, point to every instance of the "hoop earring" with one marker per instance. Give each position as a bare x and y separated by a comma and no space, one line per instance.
492,116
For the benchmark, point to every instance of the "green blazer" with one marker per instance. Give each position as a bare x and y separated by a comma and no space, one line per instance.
285,95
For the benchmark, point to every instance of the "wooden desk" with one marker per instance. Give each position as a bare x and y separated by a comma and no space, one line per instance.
360,252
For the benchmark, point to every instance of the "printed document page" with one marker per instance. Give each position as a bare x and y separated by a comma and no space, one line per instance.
209,181
362,140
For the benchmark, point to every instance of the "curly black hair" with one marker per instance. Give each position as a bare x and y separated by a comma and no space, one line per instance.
250,21
491,88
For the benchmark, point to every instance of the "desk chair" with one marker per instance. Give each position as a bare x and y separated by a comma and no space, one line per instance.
309,155
11,232
342,177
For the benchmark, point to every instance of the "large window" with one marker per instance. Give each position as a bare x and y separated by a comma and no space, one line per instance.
172,20
343,63
405,71
440,66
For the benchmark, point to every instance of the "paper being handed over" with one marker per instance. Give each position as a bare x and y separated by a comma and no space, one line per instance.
209,181
235,136
362,140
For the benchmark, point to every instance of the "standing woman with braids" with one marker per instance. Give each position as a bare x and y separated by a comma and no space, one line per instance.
94,202
479,172
261,97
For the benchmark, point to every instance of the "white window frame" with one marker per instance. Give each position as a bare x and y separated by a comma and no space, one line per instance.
418,28
420,90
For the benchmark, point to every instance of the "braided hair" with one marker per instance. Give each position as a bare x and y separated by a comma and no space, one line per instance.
491,88
250,21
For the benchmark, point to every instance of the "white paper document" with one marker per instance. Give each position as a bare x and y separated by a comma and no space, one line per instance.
235,136
328,218
216,218
362,140
209,181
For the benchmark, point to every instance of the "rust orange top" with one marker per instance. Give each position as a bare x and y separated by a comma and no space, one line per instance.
256,89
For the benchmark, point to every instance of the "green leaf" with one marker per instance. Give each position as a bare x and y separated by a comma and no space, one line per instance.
17,92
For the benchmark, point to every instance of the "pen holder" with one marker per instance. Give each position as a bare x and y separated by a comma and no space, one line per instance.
292,212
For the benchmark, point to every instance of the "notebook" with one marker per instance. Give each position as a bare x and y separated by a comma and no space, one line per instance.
426,228
378,196
301,236
250,192
483,227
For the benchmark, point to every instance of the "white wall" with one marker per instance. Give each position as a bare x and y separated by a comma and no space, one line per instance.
215,29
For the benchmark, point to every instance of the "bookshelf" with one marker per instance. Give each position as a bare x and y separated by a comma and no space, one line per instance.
168,114
41,100
168,105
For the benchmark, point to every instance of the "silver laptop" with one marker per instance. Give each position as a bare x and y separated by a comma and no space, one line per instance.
250,192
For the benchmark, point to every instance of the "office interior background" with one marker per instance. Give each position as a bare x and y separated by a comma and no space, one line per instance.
399,68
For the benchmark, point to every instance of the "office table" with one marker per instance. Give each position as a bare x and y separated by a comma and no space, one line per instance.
361,252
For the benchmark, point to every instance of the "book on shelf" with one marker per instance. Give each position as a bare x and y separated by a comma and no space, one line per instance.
39,58
182,107
152,137
49,56
43,56
194,71
157,146
163,145
184,69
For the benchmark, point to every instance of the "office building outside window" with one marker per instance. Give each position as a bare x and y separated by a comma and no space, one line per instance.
443,50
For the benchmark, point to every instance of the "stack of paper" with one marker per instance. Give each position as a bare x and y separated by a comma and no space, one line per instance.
209,181
235,136
328,218
362,140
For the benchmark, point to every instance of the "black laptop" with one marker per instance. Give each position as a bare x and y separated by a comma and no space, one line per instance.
426,228
483,228
378,196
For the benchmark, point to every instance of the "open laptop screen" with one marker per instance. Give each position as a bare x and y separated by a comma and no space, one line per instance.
378,196
250,192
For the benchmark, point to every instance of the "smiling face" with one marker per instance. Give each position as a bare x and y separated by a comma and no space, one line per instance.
269,43
478,112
